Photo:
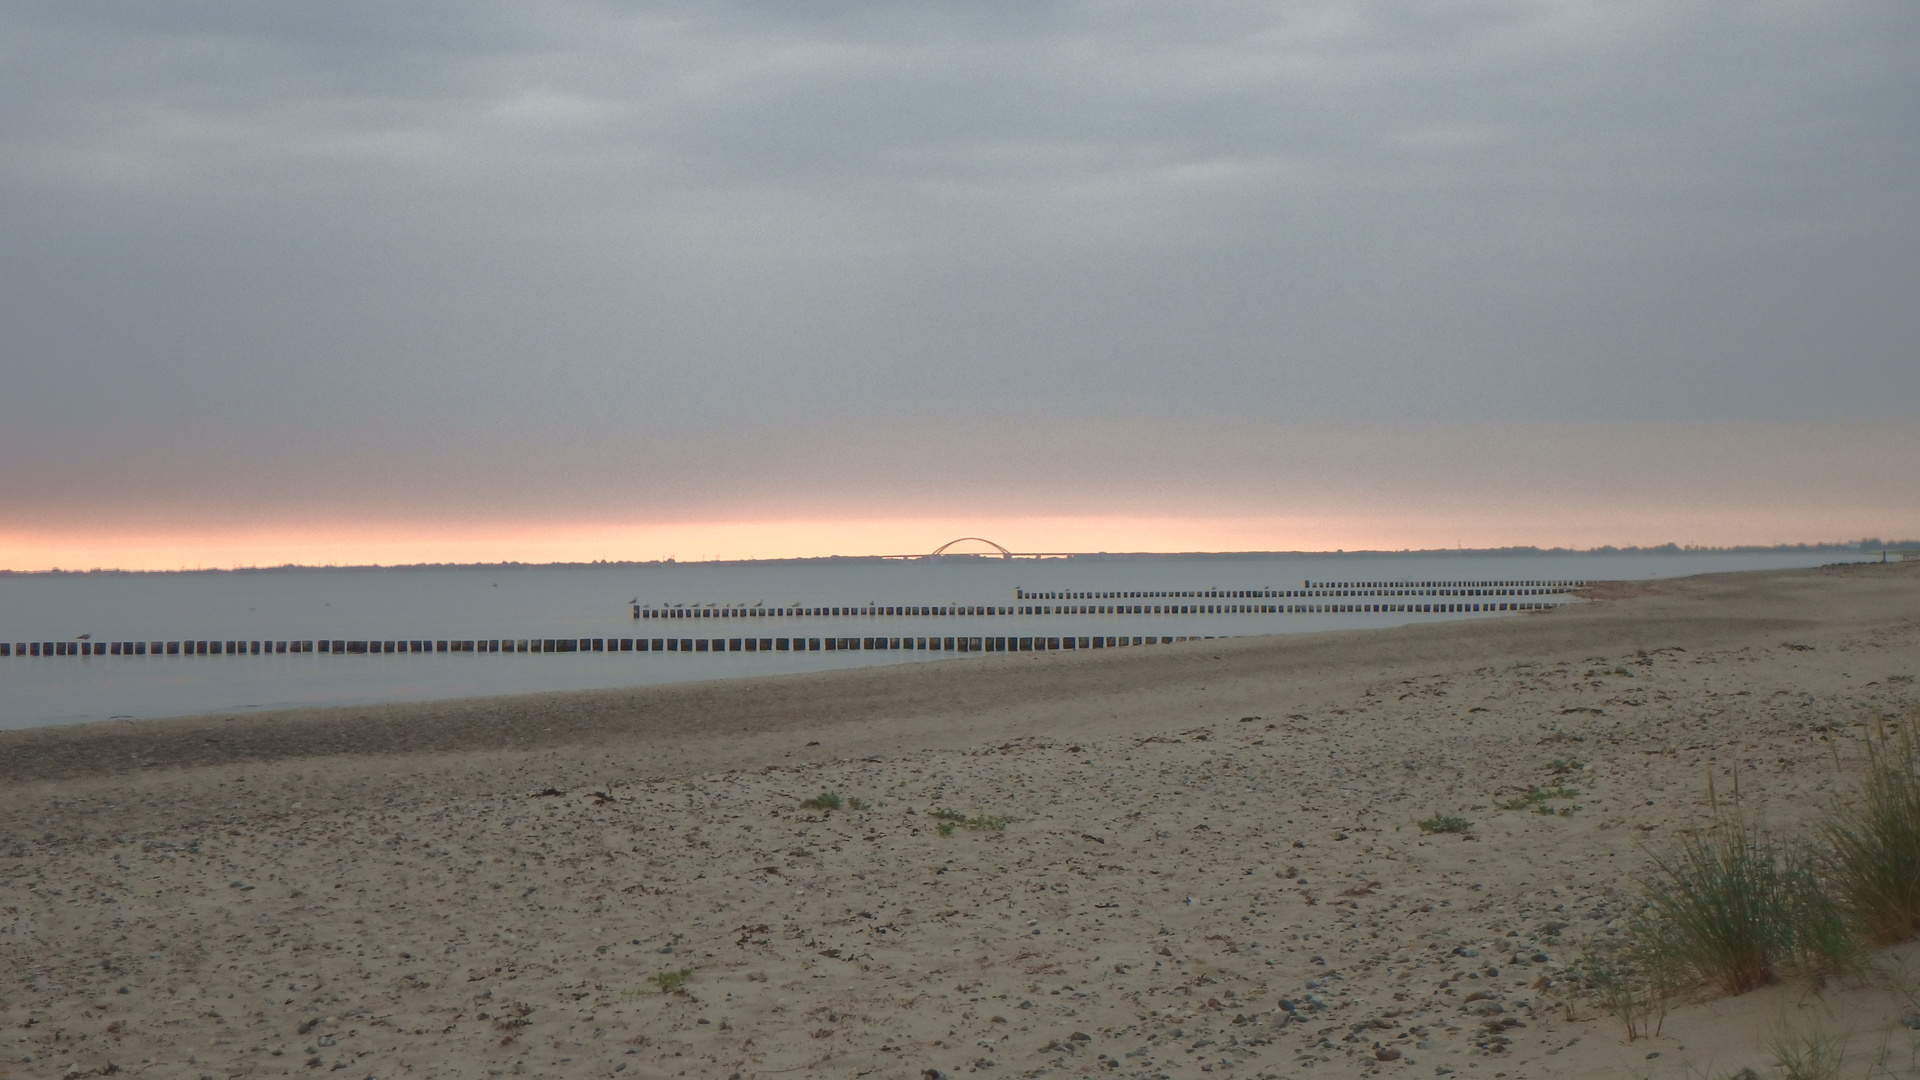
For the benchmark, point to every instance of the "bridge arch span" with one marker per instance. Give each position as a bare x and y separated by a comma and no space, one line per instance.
942,549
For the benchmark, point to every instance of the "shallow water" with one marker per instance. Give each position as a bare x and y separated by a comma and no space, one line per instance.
595,601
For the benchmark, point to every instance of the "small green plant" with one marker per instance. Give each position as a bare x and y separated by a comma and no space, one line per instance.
672,982
800,853
1536,798
856,804
948,819
1563,766
1444,823
826,800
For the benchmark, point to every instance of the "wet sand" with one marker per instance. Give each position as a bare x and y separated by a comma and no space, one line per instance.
1211,866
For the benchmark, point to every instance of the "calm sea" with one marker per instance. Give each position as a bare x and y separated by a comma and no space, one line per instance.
596,601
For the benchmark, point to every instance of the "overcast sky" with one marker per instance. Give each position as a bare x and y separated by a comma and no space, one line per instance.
285,266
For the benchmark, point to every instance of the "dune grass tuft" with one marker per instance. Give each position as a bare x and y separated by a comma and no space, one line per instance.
1629,982
1816,1056
1873,845
1720,908
1734,907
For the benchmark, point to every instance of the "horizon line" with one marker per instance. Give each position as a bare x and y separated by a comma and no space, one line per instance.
1864,546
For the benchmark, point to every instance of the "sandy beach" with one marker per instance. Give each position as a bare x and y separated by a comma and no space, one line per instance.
1197,859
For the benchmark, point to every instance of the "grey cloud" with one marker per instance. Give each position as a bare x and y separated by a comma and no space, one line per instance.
443,228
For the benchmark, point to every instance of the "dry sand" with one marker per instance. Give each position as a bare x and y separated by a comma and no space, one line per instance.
1213,865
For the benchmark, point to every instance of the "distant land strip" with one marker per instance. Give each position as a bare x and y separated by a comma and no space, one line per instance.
1892,548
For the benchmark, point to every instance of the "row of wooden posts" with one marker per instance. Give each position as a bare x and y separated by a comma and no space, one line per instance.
715,611
342,647
1552,586
578,645
1024,605
1313,589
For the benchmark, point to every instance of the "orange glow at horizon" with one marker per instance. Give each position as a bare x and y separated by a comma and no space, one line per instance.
1107,486
398,543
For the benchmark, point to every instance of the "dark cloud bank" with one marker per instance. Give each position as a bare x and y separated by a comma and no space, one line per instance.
608,252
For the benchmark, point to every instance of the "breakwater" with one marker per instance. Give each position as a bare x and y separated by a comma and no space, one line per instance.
92,611
1313,598
351,647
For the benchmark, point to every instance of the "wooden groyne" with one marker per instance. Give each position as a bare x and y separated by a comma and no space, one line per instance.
1553,586
351,647
1312,598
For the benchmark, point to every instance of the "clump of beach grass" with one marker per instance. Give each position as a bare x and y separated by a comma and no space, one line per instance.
1872,847
1825,942
1734,907
1815,1056
672,982
1631,982
1719,908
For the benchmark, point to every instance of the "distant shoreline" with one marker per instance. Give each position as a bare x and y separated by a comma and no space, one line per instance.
1858,548
1714,610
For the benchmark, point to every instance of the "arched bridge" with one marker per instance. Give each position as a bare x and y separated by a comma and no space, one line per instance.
942,549
1004,553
